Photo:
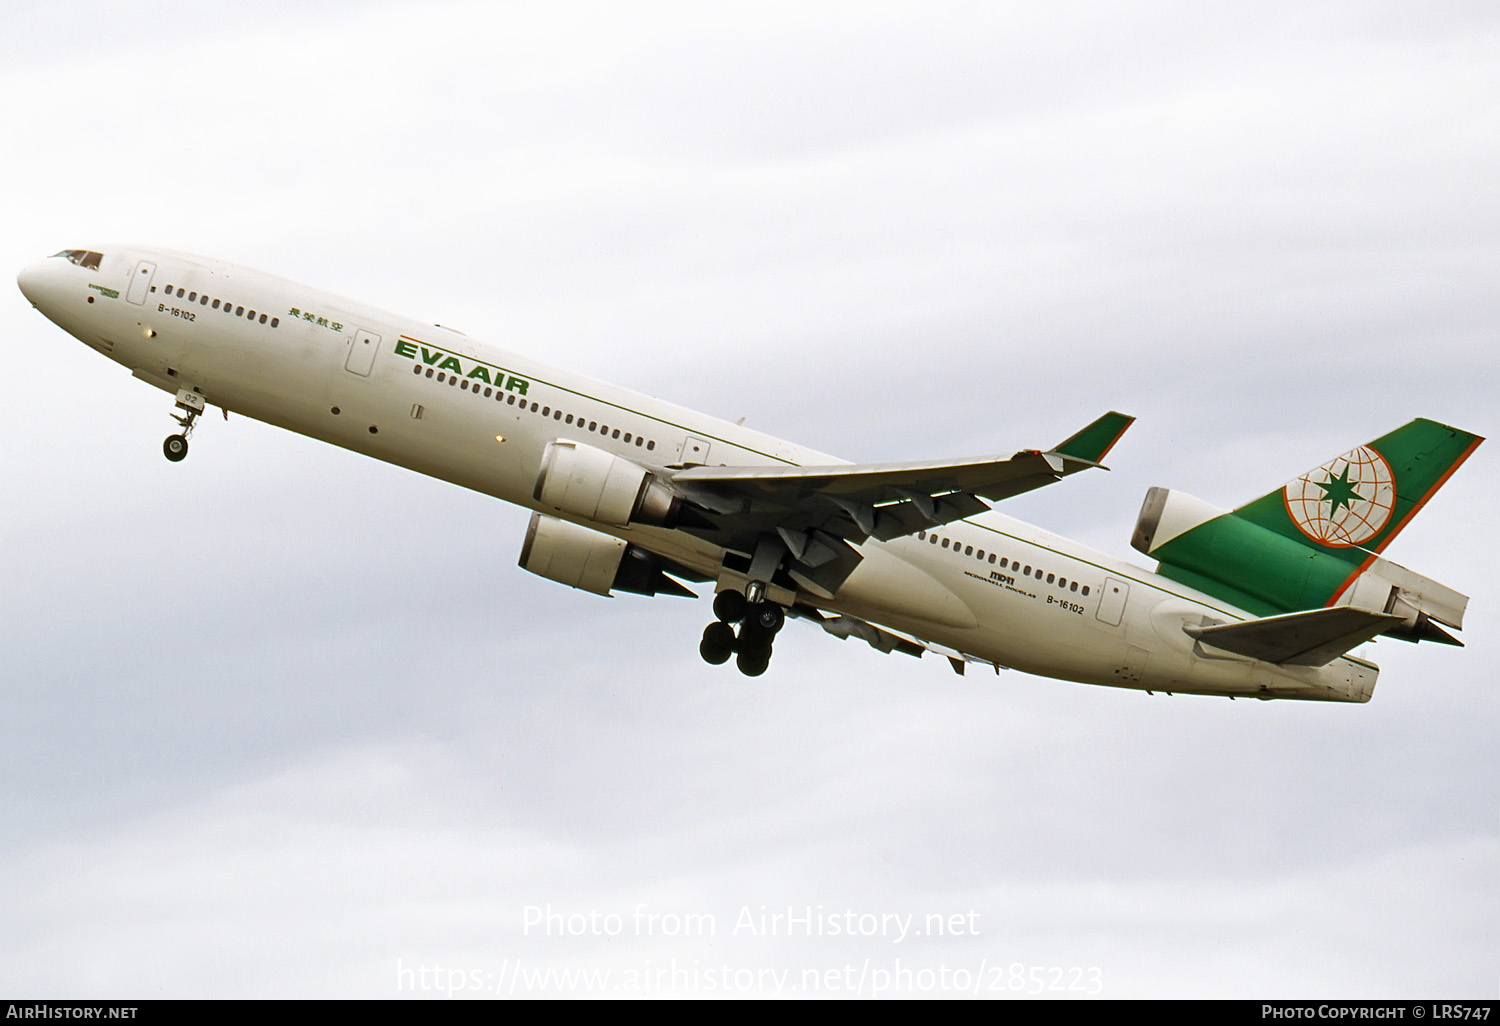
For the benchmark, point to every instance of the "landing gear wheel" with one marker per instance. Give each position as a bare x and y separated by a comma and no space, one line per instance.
753,662
768,616
752,637
175,448
730,606
717,644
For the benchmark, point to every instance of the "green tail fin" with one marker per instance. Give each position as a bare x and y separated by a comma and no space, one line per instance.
1302,545
1356,503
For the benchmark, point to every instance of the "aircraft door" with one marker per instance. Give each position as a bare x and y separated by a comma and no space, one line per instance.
362,350
694,450
140,282
1112,601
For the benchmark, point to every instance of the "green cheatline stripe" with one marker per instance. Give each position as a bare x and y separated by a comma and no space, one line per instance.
596,399
1095,441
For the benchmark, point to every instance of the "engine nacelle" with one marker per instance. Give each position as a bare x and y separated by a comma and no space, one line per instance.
1234,558
600,486
580,557
1165,514
1254,563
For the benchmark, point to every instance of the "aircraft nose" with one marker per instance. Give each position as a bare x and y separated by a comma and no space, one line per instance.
30,280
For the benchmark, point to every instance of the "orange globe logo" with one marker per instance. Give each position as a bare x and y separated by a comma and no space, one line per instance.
1344,502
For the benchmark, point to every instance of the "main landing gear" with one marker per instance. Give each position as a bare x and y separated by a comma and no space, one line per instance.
175,448
751,646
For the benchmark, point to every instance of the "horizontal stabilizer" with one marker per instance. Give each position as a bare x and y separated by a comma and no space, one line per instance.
1312,638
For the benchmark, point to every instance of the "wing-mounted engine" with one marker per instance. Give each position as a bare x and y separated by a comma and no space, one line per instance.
600,486
580,557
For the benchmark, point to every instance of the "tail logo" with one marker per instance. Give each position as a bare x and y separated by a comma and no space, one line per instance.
1344,502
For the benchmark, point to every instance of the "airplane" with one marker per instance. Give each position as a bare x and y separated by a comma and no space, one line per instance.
629,493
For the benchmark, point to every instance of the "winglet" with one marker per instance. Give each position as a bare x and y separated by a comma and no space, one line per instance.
1092,443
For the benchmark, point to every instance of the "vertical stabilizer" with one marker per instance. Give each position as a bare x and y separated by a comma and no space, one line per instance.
1305,544
1357,502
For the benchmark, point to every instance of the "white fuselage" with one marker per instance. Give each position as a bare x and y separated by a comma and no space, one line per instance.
444,404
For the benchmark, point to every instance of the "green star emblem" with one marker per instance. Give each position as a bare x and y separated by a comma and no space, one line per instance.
1340,491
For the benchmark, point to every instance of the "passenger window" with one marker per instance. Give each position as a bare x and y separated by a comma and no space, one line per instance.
192,297
262,318
968,550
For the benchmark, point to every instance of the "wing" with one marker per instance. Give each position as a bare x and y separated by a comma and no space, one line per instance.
807,520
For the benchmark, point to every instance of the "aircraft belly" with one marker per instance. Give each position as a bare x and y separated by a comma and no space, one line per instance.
886,588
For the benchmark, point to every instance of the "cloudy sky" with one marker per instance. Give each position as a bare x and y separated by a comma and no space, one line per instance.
283,721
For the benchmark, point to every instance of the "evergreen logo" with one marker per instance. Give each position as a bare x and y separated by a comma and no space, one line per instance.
1346,501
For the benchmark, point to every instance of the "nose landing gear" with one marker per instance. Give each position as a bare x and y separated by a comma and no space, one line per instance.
751,646
175,448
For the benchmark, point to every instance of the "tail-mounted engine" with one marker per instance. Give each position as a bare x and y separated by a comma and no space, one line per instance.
580,557
1236,559
600,486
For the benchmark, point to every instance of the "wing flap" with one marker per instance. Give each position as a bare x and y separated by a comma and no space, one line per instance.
844,627
1312,638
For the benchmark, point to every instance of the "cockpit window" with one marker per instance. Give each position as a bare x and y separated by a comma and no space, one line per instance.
82,257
